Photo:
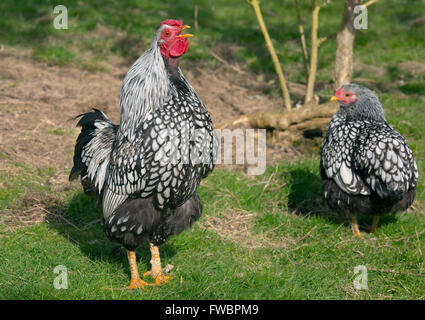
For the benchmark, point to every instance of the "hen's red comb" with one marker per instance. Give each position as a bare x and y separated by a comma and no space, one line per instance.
172,23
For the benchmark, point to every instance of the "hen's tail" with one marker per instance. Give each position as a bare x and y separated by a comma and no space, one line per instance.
92,150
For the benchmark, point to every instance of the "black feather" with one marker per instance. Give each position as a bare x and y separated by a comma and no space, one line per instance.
138,220
87,123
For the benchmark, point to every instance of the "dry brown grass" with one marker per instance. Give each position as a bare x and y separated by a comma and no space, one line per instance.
32,208
236,225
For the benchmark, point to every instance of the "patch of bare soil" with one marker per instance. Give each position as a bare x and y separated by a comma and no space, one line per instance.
235,225
38,103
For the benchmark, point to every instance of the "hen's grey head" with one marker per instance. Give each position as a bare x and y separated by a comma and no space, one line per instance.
358,102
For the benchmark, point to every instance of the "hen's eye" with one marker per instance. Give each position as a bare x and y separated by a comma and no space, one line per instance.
167,33
347,94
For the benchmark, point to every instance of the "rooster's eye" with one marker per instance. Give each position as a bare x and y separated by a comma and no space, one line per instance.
167,33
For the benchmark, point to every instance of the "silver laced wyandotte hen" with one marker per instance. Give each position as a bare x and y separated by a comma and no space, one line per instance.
366,166
146,170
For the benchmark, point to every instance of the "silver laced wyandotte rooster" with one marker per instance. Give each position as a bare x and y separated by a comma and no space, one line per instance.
366,166
146,170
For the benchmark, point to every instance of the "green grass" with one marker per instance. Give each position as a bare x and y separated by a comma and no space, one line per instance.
130,26
17,182
302,252
312,257
55,54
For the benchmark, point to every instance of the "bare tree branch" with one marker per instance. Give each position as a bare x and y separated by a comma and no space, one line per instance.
275,59
313,51
345,45
302,37
367,4
195,17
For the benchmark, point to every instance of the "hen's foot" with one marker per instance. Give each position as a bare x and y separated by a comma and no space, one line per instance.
372,228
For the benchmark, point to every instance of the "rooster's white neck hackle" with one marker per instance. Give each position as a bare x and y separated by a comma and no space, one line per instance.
145,88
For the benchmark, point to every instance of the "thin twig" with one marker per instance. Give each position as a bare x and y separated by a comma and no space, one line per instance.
307,234
196,17
268,182
397,272
225,62
314,48
302,37
367,4
90,223
272,51
419,242
323,39
278,187
58,215
19,277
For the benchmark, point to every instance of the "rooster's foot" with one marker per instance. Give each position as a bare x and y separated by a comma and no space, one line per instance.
160,277
138,284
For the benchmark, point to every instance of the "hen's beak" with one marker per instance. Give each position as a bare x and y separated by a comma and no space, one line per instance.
188,35
334,98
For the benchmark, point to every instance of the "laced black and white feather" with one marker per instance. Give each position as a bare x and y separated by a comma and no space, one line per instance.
362,156
165,143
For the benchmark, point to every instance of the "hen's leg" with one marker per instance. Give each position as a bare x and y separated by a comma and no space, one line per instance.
355,226
156,271
135,282
374,225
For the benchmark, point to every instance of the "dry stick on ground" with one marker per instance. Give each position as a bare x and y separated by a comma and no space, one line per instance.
307,234
275,59
291,125
59,216
278,187
302,37
225,62
284,120
268,182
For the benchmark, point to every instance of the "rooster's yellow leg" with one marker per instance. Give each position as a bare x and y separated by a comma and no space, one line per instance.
135,282
156,272
355,226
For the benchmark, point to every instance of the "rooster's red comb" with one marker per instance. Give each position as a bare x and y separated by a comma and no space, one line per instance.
172,23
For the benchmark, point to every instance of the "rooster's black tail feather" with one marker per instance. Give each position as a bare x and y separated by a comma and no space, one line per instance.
93,124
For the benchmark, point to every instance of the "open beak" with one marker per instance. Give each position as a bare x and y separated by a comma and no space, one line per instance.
188,35
335,98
